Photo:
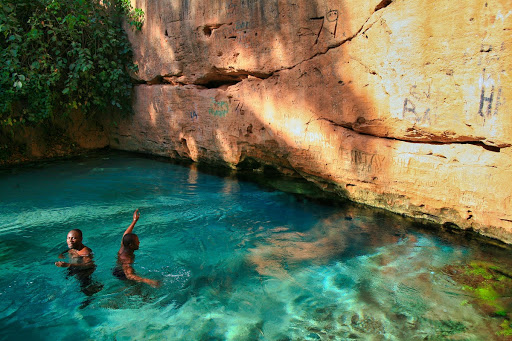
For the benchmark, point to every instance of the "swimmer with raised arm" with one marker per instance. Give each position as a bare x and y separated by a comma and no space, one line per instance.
126,256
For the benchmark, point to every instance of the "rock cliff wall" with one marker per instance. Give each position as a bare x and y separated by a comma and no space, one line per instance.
58,137
404,105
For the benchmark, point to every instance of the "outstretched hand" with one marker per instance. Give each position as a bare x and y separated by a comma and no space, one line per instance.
153,283
136,216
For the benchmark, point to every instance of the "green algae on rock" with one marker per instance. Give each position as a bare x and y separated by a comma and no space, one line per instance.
489,286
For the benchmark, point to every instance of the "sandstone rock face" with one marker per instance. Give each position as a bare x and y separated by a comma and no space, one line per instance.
403,105
60,137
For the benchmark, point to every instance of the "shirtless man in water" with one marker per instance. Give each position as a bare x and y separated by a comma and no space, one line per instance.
126,256
80,256
80,263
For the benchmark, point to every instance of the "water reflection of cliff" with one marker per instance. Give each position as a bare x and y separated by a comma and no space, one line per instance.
342,235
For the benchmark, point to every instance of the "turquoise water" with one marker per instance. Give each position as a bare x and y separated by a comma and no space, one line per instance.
236,262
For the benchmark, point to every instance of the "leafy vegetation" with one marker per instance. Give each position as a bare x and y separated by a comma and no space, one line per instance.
59,56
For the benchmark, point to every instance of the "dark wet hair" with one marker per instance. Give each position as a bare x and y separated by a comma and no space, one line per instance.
129,239
77,231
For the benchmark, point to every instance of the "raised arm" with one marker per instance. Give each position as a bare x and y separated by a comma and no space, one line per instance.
136,216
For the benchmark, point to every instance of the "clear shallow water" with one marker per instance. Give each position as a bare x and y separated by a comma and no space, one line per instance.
236,262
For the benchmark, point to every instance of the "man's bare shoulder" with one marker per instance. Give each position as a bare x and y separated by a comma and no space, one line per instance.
84,252
124,258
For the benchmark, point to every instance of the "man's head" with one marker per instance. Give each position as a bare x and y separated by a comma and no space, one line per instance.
131,241
74,239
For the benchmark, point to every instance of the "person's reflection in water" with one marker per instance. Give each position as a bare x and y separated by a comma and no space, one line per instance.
284,249
80,265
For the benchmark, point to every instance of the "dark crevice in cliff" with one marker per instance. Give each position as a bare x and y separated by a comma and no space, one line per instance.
217,78
160,80
382,4
156,80
208,29
350,127
214,84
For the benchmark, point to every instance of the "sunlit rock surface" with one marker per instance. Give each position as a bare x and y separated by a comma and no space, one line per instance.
403,105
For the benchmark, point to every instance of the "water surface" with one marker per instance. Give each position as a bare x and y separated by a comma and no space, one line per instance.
237,262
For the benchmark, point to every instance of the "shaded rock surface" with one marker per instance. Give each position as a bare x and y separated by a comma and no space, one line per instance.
396,104
59,137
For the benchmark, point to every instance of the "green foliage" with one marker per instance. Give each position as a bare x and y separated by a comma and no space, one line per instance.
57,56
135,16
506,329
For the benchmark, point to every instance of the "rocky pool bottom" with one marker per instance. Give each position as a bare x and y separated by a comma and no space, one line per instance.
237,261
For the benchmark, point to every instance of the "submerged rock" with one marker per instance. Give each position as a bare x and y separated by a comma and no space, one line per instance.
489,287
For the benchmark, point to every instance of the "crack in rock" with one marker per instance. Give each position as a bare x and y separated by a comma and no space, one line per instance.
217,79
426,140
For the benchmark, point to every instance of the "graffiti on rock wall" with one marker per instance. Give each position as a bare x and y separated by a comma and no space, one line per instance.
410,111
193,115
332,22
490,95
239,107
329,22
218,108
232,7
313,141
241,35
267,9
243,31
402,164
508,202
241,25
470,199
414,107
305,31
489,84
366,162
